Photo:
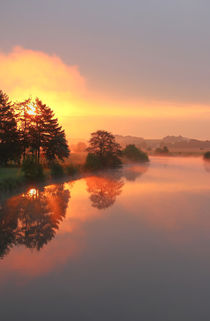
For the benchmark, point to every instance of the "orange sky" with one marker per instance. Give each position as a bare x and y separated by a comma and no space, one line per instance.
81,109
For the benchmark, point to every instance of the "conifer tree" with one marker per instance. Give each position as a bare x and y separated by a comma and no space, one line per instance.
45,134
10,148
24,119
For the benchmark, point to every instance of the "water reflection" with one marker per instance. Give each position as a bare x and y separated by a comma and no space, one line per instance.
106,186
131,173
104,190
32,218
150,251
206,164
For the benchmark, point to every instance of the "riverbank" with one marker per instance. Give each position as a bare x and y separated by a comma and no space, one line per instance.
12,180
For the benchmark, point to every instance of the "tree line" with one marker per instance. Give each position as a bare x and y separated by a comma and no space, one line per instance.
29,129
105,152
30,133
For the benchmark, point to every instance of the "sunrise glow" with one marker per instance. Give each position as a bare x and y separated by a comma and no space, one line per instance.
65,90
104,160
32,192
31,110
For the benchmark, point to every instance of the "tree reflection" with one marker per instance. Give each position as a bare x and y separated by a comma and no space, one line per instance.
206,164
132,172
32,219
106,186
104,190
8,228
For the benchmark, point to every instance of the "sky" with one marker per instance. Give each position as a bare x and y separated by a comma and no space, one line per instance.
133,67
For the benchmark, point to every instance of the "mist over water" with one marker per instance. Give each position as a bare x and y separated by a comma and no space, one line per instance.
131,244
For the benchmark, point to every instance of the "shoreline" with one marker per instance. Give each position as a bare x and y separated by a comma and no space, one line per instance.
11,187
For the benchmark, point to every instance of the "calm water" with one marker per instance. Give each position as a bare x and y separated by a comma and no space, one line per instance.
128,245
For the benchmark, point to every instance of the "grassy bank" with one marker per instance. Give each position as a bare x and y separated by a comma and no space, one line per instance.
11,178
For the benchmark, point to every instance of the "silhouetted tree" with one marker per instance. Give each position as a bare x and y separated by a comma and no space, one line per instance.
104,147
24,119
40,131
52,136
10,148
163,150
46,133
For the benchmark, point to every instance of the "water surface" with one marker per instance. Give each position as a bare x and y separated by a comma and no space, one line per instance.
131,245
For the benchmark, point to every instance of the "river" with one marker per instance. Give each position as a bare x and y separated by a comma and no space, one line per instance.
128,245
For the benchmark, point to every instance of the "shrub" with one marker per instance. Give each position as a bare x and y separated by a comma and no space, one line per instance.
135,154
111,161
31,169
56,170
10,184
206,155
71,170
163,150
92,162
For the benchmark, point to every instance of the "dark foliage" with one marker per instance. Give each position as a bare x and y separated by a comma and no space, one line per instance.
31,169
10,147
56,170
52,136
163,150
206,155
40,131
134,154
71,170
92,162
105,150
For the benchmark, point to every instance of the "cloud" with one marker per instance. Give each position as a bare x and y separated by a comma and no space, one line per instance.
27,73
81,109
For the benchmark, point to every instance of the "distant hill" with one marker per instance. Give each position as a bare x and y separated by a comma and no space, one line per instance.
174,139
174,143
138,141
126,140
191,144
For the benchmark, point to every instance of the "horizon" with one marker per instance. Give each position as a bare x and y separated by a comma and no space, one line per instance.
146,138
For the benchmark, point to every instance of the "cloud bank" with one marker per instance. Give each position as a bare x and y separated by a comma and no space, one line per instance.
28,73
